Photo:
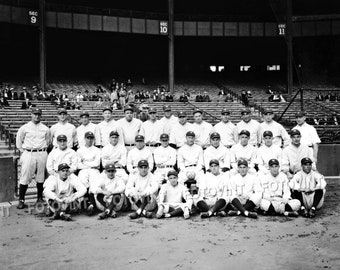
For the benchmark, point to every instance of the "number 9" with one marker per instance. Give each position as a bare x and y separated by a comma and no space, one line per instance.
33,19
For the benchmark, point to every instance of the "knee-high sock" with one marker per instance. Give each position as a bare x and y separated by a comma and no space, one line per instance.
317,197
113,202
145,202
288,208
22,192
218,205
100,198
177,212
92,199
40,189
249,206
298,195
236,202
202,206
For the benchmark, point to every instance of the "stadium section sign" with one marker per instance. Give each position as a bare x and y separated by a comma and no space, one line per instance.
33,17
163,27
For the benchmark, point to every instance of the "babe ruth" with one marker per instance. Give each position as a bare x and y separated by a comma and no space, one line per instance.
280,135
202,130
190,159
151,130
32,140
292,154
248,124
168,120
114,153
212,191
63,192
276,198
217,151
179,130
244,192
109,193
141,191
226,129
85,126
309,187
171,197
165,158
61,154
65,128
243,150
140,152
130,127
267,152
103,129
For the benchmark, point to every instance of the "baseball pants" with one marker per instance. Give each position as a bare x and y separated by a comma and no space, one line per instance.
116,202
33,163
280,207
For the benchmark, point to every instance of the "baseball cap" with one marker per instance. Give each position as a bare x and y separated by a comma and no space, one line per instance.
242,162
114,133
214,161
62,110
300,114
245,132
268,111
63,166
139,138
89,134
36,111
295,132
306,160
182,113
84,113
128,108
61,137
215,135
164,136
245,111
225,111
110,167
107,109
190,133
273,161
143,162
198,111
152,110
172,172
267,133
167,108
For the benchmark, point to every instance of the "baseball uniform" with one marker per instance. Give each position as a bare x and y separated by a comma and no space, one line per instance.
178,133
168,123
221,153
151,130
129,131
292,156
165,159
247,152
63,129
202,132
81,130
103,130
253,127
57,156
280,135
226,130
266,153
135,155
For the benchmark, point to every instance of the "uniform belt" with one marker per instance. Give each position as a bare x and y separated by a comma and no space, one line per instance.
228,146
192,165
36,150
129,144
310,146
119,167
164,166
152,145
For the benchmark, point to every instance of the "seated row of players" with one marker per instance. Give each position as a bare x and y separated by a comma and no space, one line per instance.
217,193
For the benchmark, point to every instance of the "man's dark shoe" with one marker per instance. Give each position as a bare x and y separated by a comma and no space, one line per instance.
133,215
21,204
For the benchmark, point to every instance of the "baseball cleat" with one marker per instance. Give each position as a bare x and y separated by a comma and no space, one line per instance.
133,215
311,213
252,215
221,214
48,213
113,214
104,215
160,212
232,213
65,216
21,205
291,214
90,210
186,213
147,214
304,212
205,215
40,200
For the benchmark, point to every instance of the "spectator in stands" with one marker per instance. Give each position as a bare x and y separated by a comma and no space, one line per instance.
332,97
337,96
244,98
282,99
100,89
199,97
138,97
41,95
186,92
3,102
319,97
86,96
26,104
221,94
129,83
206,97
328,97
169,98
15,94
311,120
64,97
79,97
323,120
130,97
122,97
7,93
99,103
25,95
155,96
183,98
114,95
162,98
249,94
229,98
269,90
72,96
334,120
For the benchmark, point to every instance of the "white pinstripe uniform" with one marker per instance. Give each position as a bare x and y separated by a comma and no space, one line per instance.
173,196
226,131
135,155
165,159
103,130
168,123
279,133
202,132
247,152
253,127
266,153
57,156
151,130
292,156
178,133
129,131
81,130
63,129
88,164
221,153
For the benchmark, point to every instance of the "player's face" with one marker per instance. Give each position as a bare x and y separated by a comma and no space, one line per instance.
153,115
128,116
274,169
143,170
167,114
62,117
113,140
36,118
300,120
246,117
182,119
225,117
110,174
215,169
107,115
296,139
84,120
268,140
307,167
140,144
89,141
62,144
64,173
268,117
173,179
165,142
243,170
215,142
190,140
198,117
244,139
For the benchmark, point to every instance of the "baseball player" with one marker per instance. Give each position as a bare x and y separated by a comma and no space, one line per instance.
244,192
88,166
266,152
248,124
217,151
202,130
140,152
309,187
103,129
280,135
60,194
85,126
179,130
130,127
114,153
32,140
151,130
309,135
211,190
294,153
61,154
165,158
243,150
65,128
226,129
141,191
171,197
190,159
168,120
276,198
109,193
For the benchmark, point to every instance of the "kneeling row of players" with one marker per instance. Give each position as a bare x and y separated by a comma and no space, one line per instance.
216,194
